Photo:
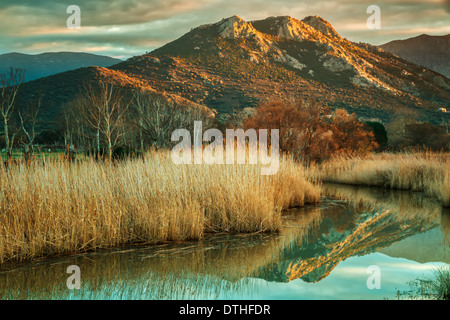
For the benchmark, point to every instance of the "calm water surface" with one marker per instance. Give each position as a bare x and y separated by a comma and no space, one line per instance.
322,252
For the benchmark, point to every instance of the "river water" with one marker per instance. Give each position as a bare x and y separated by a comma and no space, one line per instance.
359,243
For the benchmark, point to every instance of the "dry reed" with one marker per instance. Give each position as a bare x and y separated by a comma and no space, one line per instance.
61,208
417,171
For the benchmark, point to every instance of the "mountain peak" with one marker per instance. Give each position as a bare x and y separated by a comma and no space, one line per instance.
321,25
235,27
284,27
234,17
425,50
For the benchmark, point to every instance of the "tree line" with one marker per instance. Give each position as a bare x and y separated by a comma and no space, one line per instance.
19,123
103,120
107,121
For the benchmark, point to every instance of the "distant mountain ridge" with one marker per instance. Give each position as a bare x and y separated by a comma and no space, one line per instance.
50,63
432,52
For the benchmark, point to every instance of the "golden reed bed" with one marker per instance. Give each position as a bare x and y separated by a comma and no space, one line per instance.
416,171
61,207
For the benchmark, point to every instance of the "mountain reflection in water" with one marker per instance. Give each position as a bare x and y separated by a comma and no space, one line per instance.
351,222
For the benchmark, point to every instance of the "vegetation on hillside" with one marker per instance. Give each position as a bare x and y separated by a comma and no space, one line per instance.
224,68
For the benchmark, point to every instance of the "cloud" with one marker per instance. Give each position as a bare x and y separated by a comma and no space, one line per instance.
131,27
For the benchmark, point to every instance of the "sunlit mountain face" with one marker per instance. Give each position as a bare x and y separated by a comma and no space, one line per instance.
234,64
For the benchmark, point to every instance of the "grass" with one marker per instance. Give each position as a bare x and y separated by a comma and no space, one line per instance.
434,287
417,171
54,207
38,155
57,207
216,266
440,283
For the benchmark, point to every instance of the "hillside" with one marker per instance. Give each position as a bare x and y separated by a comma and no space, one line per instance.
61,88
431,52
50,63
234,64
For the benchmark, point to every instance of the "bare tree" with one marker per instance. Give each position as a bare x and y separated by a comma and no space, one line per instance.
28,120
71,126
156,118
10,83
103,108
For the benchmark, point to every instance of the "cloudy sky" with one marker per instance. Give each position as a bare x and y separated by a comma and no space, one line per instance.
123,28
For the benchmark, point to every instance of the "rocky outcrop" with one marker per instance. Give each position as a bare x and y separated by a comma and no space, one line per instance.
321,25
234,27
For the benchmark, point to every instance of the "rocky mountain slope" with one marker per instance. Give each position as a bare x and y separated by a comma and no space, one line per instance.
235,64
432,52
50,63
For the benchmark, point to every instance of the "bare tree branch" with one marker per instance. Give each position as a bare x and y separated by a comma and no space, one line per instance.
9,86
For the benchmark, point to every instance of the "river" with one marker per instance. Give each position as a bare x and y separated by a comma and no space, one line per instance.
358,243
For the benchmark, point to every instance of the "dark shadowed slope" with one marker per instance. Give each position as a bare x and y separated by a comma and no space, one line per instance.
432,52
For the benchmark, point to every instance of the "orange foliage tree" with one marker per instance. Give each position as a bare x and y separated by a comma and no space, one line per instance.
350,137
311,132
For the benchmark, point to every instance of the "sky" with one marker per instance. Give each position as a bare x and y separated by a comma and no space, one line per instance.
125,28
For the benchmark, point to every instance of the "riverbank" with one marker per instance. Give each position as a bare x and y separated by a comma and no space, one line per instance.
61,208
57,208
415,171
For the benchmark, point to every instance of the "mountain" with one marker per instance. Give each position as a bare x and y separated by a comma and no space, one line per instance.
50,63
234,64
432,52
63,87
